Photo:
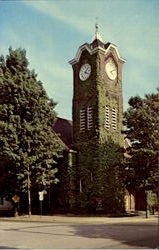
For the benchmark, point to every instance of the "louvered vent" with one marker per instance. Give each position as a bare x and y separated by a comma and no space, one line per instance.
89,117
107,117
82,119
114,119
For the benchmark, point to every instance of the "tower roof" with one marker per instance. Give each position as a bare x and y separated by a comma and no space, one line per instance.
97,36
96,44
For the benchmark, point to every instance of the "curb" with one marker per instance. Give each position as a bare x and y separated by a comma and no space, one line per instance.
79,220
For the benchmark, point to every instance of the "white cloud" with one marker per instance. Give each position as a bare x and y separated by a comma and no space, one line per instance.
51,9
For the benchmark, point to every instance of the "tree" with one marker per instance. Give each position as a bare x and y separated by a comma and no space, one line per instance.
141,129
27,139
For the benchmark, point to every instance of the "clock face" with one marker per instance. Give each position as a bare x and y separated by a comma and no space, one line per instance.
85,72
111,70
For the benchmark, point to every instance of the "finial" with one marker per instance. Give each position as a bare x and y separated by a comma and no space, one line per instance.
96,26
97,35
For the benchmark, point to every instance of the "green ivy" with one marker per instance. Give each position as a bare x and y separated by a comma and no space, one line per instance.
98,175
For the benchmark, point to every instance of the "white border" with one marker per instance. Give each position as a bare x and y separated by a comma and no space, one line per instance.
93,51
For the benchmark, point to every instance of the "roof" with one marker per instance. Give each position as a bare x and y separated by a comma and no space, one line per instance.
95,46
63,128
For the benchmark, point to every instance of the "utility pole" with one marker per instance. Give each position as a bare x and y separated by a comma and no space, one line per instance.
29,195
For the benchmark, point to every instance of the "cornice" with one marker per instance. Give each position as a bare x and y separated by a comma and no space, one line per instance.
92,51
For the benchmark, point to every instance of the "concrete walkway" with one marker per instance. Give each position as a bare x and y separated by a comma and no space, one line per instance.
81,219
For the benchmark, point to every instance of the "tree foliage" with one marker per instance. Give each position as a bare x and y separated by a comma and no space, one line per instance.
27,140
141,121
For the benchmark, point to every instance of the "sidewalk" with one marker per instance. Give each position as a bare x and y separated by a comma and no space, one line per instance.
81,219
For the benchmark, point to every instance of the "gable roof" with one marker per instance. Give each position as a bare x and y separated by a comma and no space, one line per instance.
63,128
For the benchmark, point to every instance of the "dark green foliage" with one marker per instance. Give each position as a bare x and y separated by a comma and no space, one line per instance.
64,191
113,186
27,140
141,120
98,169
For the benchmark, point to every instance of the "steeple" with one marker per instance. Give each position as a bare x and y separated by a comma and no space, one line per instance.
97,36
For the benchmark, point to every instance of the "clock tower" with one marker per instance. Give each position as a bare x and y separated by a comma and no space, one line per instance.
97,116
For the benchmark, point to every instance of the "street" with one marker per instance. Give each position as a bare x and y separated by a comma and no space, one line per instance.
20,235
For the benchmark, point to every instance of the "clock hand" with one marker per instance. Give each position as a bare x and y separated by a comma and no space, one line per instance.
112,70
87,71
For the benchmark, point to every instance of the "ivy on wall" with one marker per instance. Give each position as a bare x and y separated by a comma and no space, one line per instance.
98,170
99,184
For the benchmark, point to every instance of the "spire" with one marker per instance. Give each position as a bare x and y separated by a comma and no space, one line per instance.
97,35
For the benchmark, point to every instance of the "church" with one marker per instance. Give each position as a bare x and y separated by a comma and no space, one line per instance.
90,174
90,178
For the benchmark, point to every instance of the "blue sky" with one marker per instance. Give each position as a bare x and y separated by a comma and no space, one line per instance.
51,32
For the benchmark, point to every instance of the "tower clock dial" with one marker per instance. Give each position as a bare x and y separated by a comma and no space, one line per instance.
85,72
111,70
